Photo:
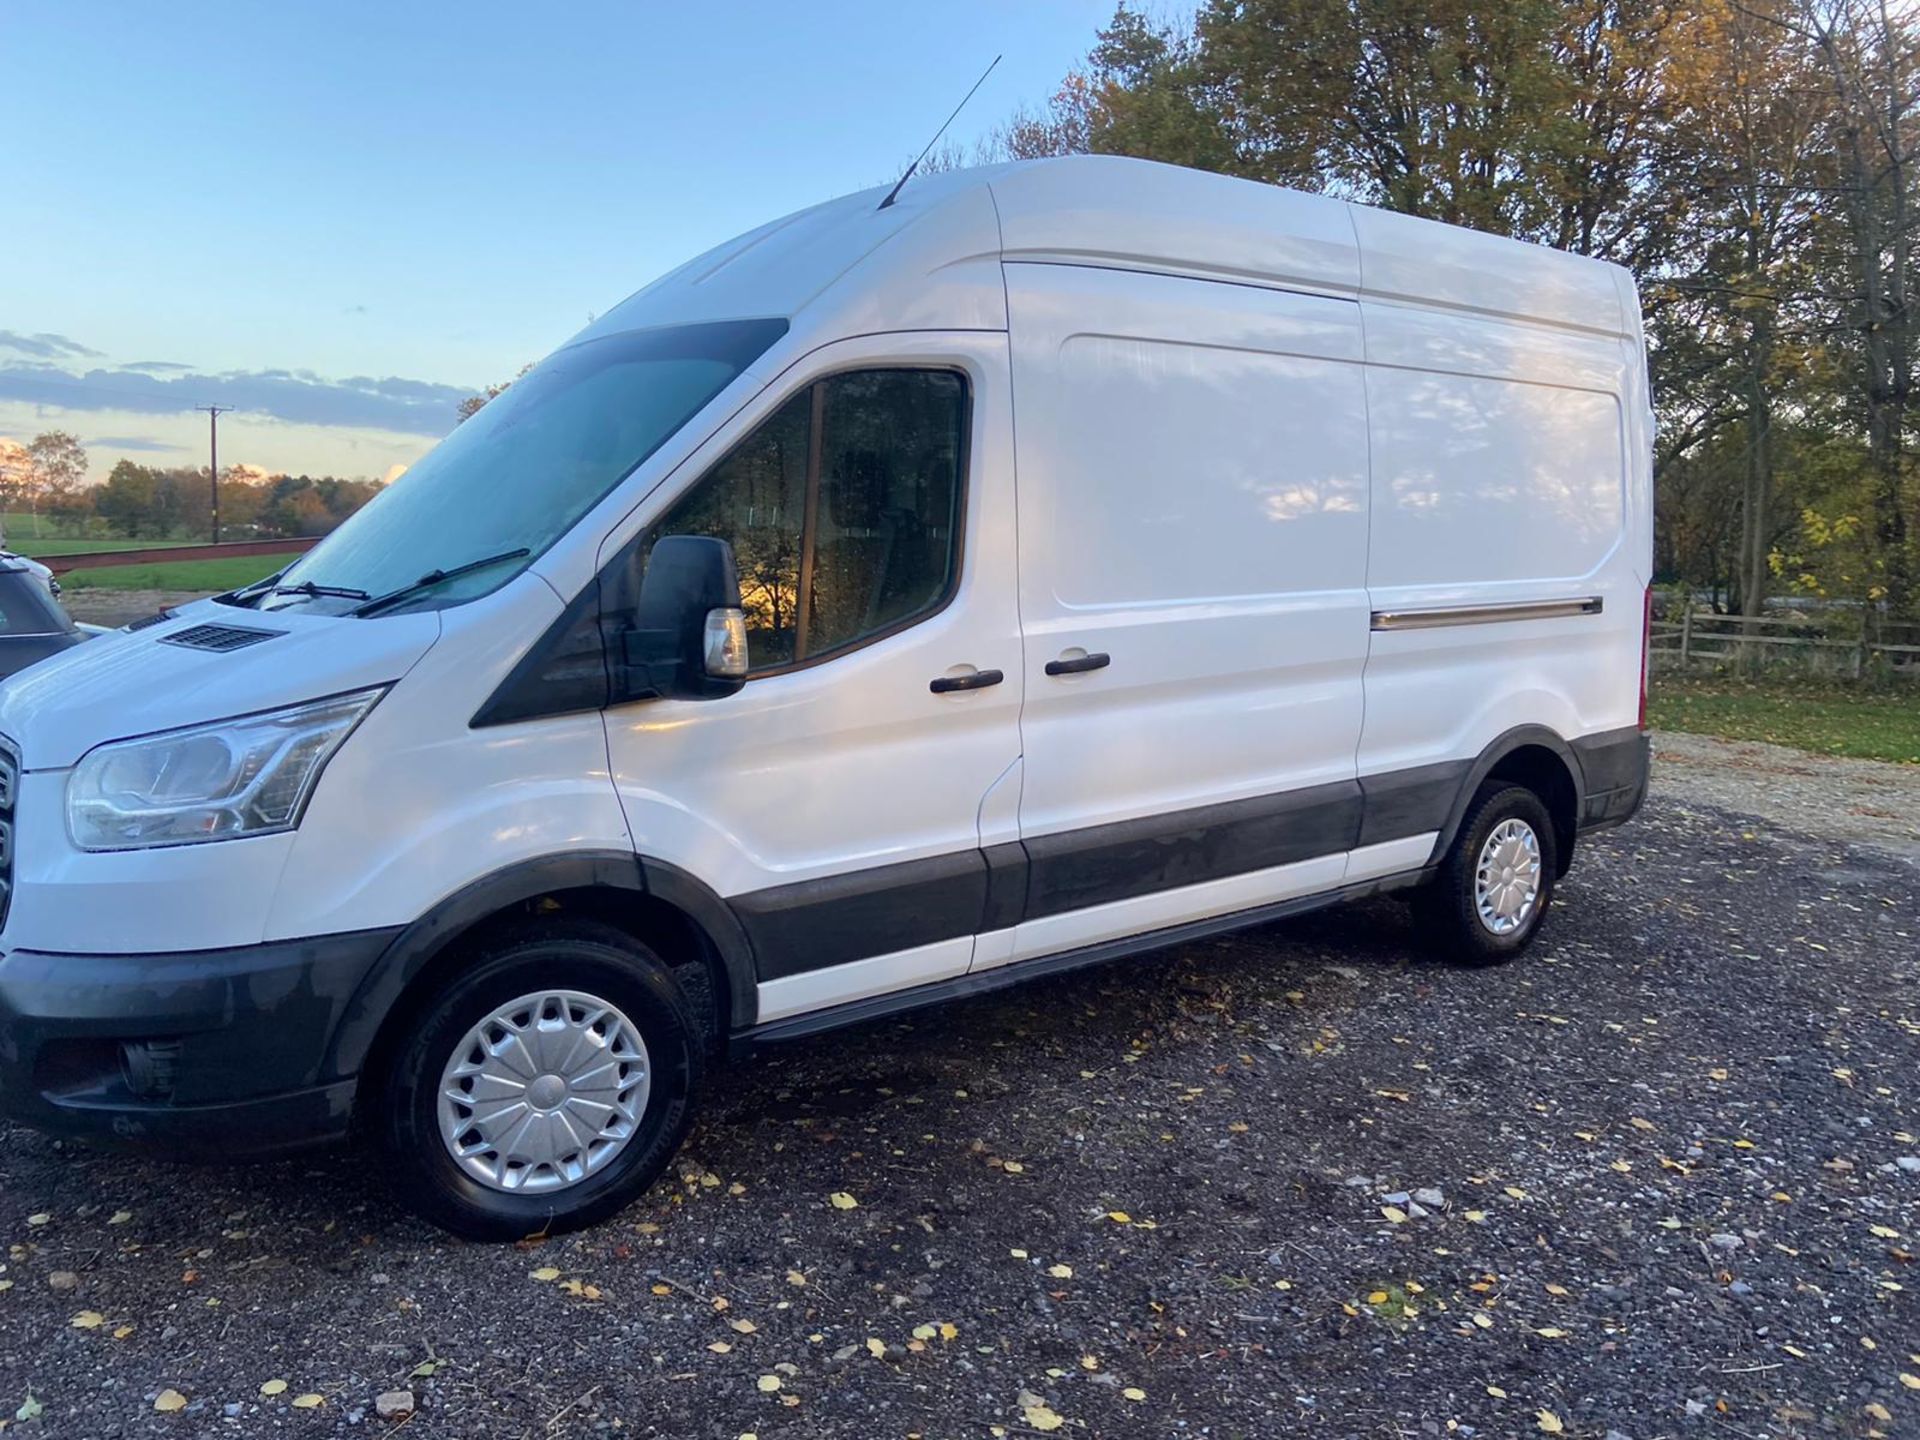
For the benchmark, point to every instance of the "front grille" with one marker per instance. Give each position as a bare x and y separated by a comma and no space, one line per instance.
9,798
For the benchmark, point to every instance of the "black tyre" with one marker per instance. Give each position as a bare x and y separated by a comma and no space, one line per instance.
545,1087
1492,891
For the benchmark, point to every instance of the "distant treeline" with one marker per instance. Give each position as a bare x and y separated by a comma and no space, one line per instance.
141,502
144,502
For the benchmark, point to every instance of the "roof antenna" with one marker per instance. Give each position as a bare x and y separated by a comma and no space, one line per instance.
937,134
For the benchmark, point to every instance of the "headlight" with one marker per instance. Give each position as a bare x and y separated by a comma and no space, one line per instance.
249,776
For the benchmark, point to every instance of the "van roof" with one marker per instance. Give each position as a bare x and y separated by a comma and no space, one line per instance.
931,259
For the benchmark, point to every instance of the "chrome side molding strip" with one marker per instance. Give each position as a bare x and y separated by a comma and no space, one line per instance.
1485,614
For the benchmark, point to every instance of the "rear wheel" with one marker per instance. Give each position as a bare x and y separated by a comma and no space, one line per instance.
545,1087
1492,891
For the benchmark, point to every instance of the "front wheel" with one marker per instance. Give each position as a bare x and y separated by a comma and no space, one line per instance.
545,1087
1487,901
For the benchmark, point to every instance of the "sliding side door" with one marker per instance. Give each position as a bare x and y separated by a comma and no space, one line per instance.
1192,481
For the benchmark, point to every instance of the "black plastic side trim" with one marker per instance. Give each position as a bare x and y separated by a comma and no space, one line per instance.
1006,886
816,923
1615,765
1410,802
1105,863
880,1006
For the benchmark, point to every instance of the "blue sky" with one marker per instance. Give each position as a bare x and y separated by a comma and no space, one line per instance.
343,217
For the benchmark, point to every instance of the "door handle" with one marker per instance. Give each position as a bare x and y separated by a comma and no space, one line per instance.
1099,660
978,680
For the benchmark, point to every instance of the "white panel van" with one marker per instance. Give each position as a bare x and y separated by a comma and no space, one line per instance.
900,601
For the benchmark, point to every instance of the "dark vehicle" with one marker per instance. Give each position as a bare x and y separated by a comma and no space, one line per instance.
32,624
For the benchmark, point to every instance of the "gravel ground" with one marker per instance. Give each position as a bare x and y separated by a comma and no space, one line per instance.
1837,799
113,608
1660,1178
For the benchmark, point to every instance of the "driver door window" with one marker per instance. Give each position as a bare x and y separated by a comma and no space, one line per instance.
843,509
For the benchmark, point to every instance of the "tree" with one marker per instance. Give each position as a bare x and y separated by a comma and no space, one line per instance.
125,499
1871,54
57,468
1747,111
472,405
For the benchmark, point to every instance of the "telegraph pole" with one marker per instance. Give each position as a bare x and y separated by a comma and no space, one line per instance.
214,412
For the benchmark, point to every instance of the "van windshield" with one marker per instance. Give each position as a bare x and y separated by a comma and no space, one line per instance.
515,477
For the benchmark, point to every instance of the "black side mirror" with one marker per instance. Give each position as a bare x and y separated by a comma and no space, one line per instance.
689,637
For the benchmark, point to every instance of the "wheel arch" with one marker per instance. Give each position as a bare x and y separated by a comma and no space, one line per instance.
656,902
1534,756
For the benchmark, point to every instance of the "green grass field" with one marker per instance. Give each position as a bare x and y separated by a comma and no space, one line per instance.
44,537
207,576
1826,719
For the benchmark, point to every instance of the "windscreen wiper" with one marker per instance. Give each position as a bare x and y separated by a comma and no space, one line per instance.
308,588
436,577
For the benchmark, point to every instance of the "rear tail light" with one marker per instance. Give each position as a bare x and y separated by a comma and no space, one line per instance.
1646,652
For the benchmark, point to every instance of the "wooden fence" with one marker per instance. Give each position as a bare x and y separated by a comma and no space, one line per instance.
1703,640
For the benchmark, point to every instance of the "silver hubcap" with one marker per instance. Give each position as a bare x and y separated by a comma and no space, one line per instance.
544,1092
1506,882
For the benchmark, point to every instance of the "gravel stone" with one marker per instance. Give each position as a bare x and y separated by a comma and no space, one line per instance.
393,1404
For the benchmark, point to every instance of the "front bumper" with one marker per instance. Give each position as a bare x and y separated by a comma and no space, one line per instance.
211,1054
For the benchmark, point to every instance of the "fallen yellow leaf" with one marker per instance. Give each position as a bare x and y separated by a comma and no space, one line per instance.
168,1401
544,1273
1060,1272
1134,1393
308,1401
768,1384
1549,1422
273,1387
840,1200
87,1320
1041,1418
